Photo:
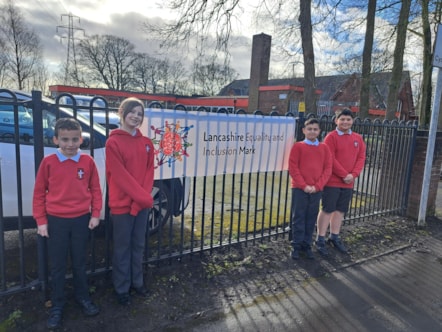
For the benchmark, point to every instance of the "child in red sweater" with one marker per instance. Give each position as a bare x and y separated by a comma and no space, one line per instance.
129,172
67,202
348,153
310,166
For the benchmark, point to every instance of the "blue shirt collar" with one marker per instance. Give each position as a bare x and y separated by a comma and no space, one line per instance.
62,157
340,133
308,142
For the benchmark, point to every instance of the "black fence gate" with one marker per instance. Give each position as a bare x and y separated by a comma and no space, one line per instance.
191,215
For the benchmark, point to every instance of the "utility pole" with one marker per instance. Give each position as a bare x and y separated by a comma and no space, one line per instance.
71,69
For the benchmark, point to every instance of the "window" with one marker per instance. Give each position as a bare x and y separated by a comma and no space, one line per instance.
25,125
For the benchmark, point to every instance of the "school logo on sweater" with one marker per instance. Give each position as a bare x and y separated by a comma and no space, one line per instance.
147,148
356,144
80,173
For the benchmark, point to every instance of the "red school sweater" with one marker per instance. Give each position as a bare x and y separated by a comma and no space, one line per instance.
348,153
66,189
129,171
309,165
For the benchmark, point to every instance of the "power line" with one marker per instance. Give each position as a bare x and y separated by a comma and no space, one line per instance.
71,58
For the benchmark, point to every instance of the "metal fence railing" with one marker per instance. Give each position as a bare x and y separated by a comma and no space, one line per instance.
191,215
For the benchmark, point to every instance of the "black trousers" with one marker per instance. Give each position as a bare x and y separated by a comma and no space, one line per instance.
305,209
68,236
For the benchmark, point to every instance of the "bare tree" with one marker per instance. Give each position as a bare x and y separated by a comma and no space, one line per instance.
3,62
22,50
381,61
209,77
305,18
142,72
396,76
108,59
427,56
178,78
364,97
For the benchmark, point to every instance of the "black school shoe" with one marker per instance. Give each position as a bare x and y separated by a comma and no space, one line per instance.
337,243
89,308
320,247
123,299
295,254
308,252
55,317
142,291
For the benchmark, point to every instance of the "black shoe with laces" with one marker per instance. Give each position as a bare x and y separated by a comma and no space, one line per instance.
320,247
123,299
295,254
89,308
308,252
141,291
55,317
337,243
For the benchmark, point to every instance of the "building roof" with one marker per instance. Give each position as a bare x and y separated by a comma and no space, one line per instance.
329,85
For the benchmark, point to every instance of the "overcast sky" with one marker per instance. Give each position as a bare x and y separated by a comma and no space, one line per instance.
122,18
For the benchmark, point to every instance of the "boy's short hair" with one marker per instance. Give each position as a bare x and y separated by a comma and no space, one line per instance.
345,112
311,121
66,124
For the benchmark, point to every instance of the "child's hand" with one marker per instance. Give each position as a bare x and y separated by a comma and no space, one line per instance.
42,230
94,222
309,189
348,179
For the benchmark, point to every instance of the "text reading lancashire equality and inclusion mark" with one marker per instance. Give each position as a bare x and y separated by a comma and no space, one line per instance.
235,137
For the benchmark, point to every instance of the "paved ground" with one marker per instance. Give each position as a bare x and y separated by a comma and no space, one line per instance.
399,292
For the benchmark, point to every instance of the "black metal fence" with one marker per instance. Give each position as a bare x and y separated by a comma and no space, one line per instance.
191,215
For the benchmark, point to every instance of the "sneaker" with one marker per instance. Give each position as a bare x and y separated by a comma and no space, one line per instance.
141,291
123,299
89,308
337,243
295,254
320,247
308,252
54,320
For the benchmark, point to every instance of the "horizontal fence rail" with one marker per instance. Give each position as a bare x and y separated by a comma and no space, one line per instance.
191,214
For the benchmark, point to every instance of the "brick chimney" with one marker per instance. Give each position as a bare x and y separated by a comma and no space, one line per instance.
259,69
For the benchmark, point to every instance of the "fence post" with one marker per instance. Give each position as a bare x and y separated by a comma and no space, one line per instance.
38,156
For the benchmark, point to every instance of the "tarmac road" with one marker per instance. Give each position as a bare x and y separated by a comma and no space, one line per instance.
400,292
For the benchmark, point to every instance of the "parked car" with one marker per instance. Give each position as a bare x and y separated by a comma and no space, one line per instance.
164,192
84,104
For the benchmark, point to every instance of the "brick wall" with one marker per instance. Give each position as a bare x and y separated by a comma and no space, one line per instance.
270,99
417,176
259,68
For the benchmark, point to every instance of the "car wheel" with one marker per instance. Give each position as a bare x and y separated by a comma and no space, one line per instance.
161,211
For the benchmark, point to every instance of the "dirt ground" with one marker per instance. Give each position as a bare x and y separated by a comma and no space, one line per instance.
194,290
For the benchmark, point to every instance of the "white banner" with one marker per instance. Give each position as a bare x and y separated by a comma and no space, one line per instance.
205,144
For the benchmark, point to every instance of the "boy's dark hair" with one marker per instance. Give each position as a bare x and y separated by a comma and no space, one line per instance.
344,111
67,124
311,121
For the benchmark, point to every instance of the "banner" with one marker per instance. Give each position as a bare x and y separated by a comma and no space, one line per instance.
206,144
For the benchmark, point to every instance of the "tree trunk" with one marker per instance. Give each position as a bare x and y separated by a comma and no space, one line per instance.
305,20
426,87
398,59
364,98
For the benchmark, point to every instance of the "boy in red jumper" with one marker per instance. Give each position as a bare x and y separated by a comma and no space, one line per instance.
129,172
348,153
67,202
310,166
